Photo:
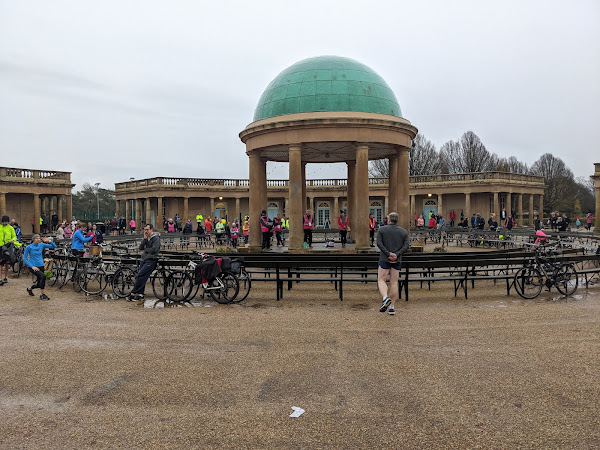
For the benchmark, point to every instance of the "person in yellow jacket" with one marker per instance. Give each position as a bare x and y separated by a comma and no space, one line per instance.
7,234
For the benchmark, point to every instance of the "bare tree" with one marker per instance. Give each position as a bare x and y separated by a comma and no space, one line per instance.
451,157
561,188
512,165
379,168
467,155
423,159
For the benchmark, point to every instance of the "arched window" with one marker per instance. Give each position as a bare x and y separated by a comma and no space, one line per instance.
376,208
272,209
323,214
221,210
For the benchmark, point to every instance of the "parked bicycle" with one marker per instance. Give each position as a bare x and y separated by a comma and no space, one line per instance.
544,271
203,271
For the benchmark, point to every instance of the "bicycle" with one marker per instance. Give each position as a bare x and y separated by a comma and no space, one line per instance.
183,285
543,271
19,266
123,280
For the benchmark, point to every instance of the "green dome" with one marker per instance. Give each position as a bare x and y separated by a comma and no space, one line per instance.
327,83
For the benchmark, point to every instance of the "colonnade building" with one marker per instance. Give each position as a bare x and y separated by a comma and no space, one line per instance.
153,199
26,194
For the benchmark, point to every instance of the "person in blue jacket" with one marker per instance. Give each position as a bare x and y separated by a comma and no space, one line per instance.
33,257
80,238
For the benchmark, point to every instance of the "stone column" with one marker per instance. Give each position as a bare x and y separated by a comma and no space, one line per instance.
297,207
159,211
186,210
59,208
127,213
69,211
138,213
237,208
2,203
520,209
440,205
212,208
386,206
541,206
508,205
148,211
403,180
304,206
255,199
596,179
336,211
263,186
351,210
496,207
531,216
360,226
36,213
413,211
392,186
468,207
117,208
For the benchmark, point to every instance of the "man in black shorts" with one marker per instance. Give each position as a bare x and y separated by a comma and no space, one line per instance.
392,241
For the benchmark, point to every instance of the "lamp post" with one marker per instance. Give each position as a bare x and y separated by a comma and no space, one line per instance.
97,201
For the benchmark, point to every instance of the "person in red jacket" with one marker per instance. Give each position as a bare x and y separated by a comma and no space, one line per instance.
432,222
372,228
343,225
308,227
452,218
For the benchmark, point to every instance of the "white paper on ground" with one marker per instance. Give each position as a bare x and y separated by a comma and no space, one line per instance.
297,411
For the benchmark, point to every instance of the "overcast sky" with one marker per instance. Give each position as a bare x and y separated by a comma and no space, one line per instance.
112,90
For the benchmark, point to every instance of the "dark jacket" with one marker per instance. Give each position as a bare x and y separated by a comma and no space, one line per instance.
150,248
392,239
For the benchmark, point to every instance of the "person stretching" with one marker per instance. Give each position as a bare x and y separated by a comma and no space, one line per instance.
33,257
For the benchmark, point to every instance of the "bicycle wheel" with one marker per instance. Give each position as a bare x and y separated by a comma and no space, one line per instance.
123,282
18,267
159,280
528,282
566,279
245,283
63,275
223,289
178,286
56,270
92,280
76,277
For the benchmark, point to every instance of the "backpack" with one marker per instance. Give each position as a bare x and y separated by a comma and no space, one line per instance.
8,253
225,264
207,270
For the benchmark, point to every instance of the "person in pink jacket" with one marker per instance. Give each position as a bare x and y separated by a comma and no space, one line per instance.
132,226
308,227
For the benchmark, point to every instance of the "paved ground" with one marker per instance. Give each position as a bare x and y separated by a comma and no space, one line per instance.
490,372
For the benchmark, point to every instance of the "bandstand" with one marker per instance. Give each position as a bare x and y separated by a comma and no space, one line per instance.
328,109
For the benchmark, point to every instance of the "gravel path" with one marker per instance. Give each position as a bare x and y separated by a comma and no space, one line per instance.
490,372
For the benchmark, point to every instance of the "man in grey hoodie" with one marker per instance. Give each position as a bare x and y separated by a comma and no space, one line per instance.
392,241
150,246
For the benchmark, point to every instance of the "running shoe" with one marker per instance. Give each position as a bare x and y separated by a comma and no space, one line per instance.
385,303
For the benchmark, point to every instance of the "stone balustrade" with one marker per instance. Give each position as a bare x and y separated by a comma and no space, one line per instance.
331,182
16,175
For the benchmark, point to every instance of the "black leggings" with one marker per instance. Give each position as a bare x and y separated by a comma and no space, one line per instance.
40,282
343,235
